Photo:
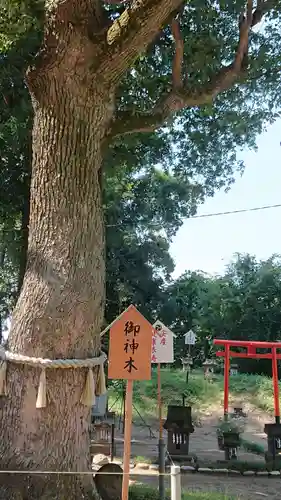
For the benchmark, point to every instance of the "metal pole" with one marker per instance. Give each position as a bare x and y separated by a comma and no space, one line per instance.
161,443
175,482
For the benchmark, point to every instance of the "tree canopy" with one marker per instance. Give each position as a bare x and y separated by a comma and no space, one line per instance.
242,304
145,100
199,148
152,180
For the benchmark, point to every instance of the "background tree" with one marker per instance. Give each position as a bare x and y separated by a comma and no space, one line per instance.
8,275
142,213
243,304
253,313
193,301
78,82
15,166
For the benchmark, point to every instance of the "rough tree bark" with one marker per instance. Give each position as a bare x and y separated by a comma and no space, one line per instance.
61,302
24,232
60,308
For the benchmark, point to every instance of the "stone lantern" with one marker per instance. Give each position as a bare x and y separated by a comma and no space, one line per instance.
273,432
208,367
234,369
186,365
179,426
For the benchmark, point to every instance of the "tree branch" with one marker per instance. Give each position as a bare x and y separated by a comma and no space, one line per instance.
181,97
132,32
263,6
178,59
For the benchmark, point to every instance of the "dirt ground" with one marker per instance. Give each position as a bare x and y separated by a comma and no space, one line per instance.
245,488
203,443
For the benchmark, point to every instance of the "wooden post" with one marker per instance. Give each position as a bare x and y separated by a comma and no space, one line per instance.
161,444
188,366
130,336
127,439
123,407
175,482
159,401
112,442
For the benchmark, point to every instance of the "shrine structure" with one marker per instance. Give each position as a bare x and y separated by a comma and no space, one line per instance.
251,350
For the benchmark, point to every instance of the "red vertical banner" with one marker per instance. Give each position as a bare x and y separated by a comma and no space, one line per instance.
275,385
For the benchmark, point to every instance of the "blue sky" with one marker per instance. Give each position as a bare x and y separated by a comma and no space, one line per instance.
209,244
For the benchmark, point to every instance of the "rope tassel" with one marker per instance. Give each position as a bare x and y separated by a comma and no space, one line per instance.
88,394
101,384
41,401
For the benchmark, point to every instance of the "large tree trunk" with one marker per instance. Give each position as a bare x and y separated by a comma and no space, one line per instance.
24,224
60,308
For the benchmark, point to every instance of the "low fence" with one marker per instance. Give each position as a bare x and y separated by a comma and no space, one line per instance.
175,482
107,488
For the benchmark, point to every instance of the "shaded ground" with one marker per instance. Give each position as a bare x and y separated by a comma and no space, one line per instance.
245,488
204,444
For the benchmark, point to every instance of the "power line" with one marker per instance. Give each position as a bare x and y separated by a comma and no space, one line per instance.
240,211
198,216
216,214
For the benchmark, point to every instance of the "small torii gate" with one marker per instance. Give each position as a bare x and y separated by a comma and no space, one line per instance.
250,351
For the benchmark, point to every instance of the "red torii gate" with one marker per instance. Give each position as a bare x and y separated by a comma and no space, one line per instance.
250,352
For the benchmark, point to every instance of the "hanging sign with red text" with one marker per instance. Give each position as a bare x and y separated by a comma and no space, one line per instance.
162,344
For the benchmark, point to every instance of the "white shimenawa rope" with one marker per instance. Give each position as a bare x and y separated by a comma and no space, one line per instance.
91,387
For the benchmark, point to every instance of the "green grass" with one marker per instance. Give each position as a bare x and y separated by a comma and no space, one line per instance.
200,393
238,465
142,460
259,390
142,492
252,447
173,386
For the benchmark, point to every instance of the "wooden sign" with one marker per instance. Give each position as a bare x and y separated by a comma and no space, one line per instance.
129,359
162,344
190,338
130,347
